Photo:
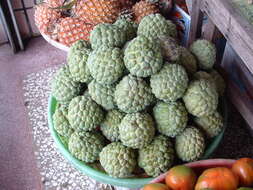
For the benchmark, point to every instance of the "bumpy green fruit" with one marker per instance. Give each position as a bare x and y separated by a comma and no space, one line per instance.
106,65
143,57
63,109
128,27
155,25
219,82
84,114
170,83
170,48
63,87
201,98
102,94
205,53
118,160
110,126
212,125
157,157
108,35
171,118
187,60
86,146
190,145
136,130
202,75
77,59
61,124
133,94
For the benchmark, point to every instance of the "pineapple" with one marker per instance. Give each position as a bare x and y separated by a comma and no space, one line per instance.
46,18
54,3
73,29
97,11
144,8
126,4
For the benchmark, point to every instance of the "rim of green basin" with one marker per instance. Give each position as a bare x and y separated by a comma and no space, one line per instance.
103,177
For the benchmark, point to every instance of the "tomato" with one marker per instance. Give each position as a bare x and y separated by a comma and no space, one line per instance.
243,168
156,186
220,178
181,178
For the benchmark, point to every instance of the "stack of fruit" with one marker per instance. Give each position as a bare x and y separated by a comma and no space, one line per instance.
239,177
68,21
133,97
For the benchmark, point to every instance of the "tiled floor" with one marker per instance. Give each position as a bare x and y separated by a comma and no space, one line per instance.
18,169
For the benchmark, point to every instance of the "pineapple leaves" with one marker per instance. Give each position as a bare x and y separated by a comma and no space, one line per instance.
67,6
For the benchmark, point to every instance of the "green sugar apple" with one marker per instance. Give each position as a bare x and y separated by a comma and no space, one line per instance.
136,130
170,83
117,160
133,94
143,57
110,126
171,118
106,65
190,145
170,48
219,82
157,157
128,27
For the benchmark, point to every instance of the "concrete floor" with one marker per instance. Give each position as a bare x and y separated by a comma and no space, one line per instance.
18,169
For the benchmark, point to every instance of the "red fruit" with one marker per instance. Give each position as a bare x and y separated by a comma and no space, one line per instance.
243,168
181,178
220,178
156,186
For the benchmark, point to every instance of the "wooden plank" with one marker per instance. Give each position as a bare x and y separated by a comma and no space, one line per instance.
210,32
236,29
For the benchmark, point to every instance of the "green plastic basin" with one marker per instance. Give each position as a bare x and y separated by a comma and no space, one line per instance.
103,177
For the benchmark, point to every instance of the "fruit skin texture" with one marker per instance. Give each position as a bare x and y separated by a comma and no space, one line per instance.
128,27
63,87
97,11
190,144
212,124
117,160
142,9
205,53
171,118
106,65
217,178
133,94
219,82
86,146
110,126
136,130
84,114
155,25
181,178
170,83
201,98
77,59
243,168
156,186
54,3
107,35
143,57
170,48
73,29
157,157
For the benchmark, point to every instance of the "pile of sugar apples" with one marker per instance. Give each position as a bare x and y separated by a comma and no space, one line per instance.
133,99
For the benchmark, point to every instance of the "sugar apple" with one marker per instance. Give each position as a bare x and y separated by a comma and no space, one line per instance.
205,53
136,130
63,109
157,157
102,94
219,82
77,59
61,123
212,125
203,75
133,94
155,25
128,27
190,145
143,57
84,114
201,98
170,83
106,65
170,48
117,160
110,126
63,86
108,35
86,146
171,118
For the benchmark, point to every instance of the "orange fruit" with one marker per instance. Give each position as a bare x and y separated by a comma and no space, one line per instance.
156,186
